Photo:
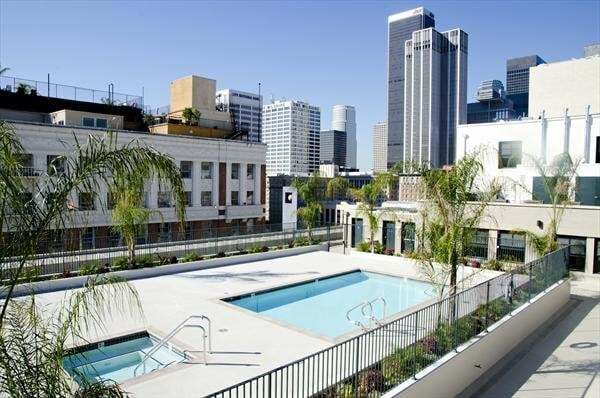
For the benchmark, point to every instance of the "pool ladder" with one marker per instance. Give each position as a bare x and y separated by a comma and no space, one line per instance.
186,323
370,315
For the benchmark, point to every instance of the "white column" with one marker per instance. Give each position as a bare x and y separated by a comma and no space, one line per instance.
242,183
492,244
196,179
228,184
153,194
257,184
589,255
398,237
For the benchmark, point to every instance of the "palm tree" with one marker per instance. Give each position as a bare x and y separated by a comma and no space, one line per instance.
368,197
31,341
558,183
453,207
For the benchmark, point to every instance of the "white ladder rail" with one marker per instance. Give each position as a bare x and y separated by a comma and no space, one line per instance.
176,330
371,316
355,322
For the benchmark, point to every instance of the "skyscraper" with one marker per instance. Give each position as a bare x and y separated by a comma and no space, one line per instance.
435,95
344,119
492,104
291,131
400,29
517,81
246,111
380,147
333,147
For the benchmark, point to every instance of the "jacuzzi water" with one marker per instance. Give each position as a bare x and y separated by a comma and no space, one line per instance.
320,306
117,362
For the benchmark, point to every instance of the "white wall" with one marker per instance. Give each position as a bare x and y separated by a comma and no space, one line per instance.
572,84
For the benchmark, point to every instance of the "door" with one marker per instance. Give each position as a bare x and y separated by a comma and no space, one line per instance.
389,234
408,237
357,231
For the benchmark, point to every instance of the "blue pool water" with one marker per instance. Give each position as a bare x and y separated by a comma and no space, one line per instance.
320,306
117,362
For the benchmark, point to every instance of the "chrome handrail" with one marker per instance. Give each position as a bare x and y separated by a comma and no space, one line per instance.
354,322
176,330
371,315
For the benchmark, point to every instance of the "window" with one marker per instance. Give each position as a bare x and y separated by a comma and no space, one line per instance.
55,164
598,149
164,199
164,232
509,154
206,198
101,123
511,247
114,238
187,199
206,170
250,172
235,171
185,168
88,122
26,163
86,201
250,197
576,251
235,198
87,238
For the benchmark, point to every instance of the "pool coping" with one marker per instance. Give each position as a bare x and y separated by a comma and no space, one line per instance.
226,301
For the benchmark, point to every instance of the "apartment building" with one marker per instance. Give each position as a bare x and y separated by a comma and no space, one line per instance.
291,131
224,179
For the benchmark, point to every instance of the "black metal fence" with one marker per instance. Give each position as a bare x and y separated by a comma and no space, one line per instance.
378,360
219,242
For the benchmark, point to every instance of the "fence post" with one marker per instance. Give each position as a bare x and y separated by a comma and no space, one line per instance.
414,361
357,361
269,388
511,291
487,306
530,284
328,237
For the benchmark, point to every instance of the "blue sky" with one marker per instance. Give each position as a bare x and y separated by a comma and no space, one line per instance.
325,52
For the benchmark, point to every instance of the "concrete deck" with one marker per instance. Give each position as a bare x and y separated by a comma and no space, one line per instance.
245,344
563,360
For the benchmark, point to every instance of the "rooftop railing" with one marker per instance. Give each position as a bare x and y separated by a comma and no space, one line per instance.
47,89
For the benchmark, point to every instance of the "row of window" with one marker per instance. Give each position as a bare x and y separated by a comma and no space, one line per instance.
206,170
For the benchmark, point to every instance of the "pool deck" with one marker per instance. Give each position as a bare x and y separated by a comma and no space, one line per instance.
244,344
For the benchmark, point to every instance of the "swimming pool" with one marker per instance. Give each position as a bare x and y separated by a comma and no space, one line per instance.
320,305
117,359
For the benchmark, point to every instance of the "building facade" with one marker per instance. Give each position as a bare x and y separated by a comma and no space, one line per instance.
224,179
492,104
400,29
565,87
380,152
435,95
517,81
344,119
291,131
246,111
333,147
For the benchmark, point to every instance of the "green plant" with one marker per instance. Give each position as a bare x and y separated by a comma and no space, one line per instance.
90,268
191,256
144,261
363,246
191,115
23,88
301,241
119,264
369,381
400,365
255,249
494,265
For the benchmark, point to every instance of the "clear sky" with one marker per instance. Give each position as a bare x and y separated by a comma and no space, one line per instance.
324,52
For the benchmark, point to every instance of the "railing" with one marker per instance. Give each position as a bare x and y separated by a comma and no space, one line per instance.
56,259
35,87
378,360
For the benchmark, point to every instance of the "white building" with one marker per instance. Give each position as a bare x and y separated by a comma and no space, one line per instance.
380,136
291,131
435,95
246,110
344,119
566,86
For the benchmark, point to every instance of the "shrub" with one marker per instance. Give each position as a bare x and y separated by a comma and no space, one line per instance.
291,244
90,268
494,265
301,241
378,247
173,260
264,249
389,252
119,264
242,251
66,273
363,246
401,364
369,381
144,261
191,256
221,254
255,249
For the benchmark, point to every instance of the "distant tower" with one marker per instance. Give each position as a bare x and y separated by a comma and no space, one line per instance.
344,119
517,81
435,95
380,147
400,29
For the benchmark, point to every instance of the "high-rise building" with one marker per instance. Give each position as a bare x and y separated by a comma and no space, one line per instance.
291,131
333,147
380,147
344,119
435,95
492,104
591,49
400,29
517,81
245,109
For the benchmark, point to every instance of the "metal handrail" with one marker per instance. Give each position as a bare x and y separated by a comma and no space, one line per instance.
355,322
371,314
172,334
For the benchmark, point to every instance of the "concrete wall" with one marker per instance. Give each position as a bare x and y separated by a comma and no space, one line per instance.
70,117
458,370
572,84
